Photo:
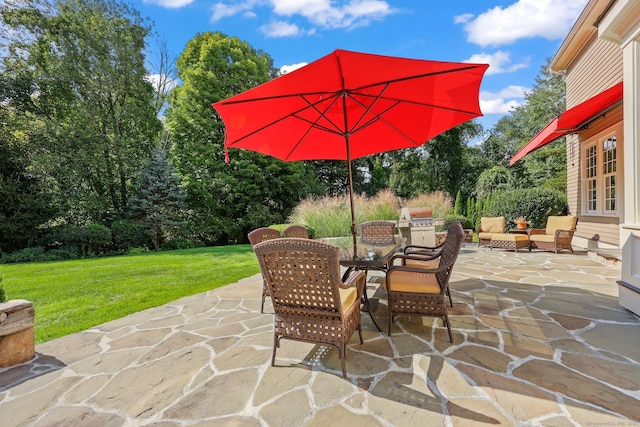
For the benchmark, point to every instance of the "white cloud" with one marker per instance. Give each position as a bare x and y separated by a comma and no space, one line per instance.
504,101
326,14
276,29
222,10
158,79
170,4
289,68
550,19
499,62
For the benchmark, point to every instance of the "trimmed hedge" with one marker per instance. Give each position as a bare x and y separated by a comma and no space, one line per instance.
535,204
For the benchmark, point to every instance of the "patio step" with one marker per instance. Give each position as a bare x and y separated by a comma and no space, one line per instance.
609,257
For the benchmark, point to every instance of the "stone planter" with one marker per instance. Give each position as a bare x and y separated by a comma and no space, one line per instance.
17,342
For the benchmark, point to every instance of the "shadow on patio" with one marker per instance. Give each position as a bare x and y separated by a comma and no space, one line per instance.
539,339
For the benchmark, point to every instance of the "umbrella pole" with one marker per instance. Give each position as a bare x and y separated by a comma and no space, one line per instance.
353,217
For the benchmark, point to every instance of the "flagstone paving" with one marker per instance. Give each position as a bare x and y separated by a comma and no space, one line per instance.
539,340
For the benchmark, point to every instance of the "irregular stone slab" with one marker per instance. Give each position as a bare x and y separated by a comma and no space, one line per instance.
146,338
85,388
528,327
273,384
523,346
622,339
404,401
340,416
27,408
624,375
329,389
556,378
175,342
66,415
592,416
466,412
280,413
446,378
108,362
522,401
570,322
219,397
73,348
483,357
144,390
239,357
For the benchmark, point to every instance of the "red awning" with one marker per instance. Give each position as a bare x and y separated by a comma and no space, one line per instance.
572,120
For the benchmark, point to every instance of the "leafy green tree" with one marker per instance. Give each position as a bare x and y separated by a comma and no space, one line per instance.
158,202
544,102
457,206
439,165
493,180
226,201
24,205
98,122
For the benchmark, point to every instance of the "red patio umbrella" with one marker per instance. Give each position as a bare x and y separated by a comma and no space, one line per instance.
348,105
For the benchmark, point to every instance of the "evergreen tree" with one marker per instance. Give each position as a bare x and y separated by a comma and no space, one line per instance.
457,206
158,202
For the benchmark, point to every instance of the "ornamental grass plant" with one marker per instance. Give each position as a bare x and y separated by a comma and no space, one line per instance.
330,216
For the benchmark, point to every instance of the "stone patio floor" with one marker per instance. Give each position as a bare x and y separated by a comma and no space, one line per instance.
539,340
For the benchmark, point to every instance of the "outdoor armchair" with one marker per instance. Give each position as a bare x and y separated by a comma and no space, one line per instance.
310,301
421,291
262,235
296,231
490,225
557,235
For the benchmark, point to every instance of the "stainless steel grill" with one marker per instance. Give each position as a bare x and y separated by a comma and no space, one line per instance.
417,226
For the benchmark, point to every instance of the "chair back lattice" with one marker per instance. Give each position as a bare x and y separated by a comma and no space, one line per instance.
450,251
296,231
302,275
262,235
378,232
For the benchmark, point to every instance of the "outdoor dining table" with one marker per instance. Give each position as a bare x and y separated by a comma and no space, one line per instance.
368,257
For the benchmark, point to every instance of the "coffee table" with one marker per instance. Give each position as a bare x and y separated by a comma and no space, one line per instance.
368,257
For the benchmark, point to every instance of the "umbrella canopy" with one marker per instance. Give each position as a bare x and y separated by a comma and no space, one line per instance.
348,105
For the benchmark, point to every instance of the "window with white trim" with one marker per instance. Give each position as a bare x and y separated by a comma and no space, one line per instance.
600,177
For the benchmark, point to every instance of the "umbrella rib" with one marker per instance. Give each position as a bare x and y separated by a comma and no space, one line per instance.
414,77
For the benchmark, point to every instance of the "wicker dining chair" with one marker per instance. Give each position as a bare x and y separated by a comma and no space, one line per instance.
378,232
422,291
262,235
296,231
310,301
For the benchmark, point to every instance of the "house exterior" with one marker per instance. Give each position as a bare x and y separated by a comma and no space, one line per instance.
600,59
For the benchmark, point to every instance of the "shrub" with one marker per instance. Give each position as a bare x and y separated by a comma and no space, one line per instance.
177,243
535,204
34,254
127,234
3,294
464,221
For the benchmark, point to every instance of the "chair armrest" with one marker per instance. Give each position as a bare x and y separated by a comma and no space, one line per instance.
564,233
357,278
421,249
537,231
414,256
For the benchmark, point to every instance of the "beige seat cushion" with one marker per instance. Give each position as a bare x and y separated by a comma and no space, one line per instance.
409,281
548,238
348,297
487,236
432,263
492,224
509,237
560,223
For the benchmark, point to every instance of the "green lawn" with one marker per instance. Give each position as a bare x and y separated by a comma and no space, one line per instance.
71,296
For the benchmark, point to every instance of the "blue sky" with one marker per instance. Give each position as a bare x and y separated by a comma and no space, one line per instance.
514,36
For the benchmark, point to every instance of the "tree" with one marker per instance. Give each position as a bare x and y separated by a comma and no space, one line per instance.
545,101
158,202
439,165
86,61
493,180
227,201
